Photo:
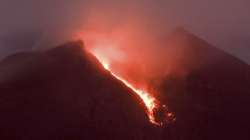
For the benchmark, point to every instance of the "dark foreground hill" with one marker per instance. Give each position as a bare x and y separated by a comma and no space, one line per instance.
211,95
64,93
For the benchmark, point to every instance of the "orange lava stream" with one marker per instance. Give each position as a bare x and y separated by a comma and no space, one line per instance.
149,101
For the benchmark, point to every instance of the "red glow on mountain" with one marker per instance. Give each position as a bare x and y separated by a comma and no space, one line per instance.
116,59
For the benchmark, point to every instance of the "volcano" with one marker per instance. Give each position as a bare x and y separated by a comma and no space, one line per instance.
66,93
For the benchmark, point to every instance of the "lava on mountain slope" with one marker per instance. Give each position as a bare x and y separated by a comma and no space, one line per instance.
150,102
158,114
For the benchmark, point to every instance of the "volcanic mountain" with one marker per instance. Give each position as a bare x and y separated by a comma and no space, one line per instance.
65,93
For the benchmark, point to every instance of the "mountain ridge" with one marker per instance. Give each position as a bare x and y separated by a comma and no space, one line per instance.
63,93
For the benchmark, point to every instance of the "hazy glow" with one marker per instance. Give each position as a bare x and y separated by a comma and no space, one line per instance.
127,55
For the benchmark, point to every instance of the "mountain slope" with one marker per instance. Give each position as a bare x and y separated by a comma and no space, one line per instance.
64,93
211,99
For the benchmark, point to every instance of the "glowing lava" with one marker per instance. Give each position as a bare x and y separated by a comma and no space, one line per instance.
110,53
149,101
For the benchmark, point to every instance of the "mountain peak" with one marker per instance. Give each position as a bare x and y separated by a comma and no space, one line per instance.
196,52
180,30
66,94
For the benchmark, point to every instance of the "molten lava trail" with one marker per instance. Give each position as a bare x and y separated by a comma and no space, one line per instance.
149,101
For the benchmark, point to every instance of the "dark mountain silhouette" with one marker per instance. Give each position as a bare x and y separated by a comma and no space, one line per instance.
64,93
211,99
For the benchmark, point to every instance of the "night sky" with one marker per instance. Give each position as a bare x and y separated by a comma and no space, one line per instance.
30,24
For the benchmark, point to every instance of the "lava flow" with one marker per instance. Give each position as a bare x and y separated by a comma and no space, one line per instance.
110,50
148,100
153,107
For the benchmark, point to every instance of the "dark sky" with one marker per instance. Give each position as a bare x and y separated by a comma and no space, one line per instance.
224,23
